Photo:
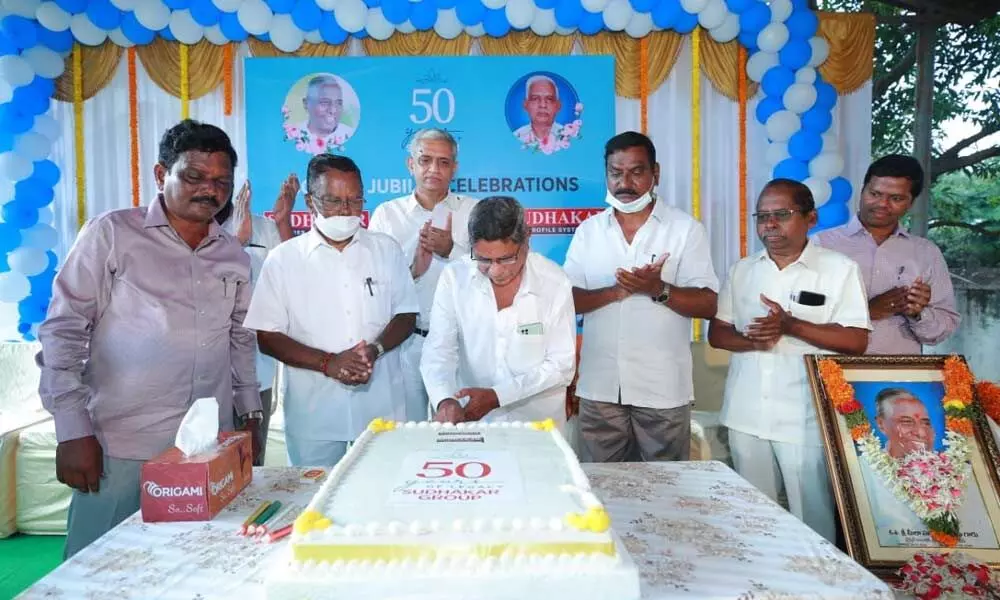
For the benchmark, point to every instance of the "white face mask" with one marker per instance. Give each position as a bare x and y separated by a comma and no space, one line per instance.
630,207
337,228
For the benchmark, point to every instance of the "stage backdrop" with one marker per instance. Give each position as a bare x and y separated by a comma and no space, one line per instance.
369,108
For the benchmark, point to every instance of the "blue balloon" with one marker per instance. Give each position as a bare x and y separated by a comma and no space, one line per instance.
10,237
4,267
6,141
546,4
104,14
53,263
306,15
13,120
831,214
755,18
33,99
281,6
72,6
767,107
442,4
686,22
795,54
206,13
41,284
590,23
331,32
58,41
748,39
177,4
666,13
495,22
568,13
817,119
135,31
360,35
804,145
792,169
826,95
230,26
32,310
372,3
423,15
776,80
802,24
31,192
19,214
168,35
642,5
7,46
21,32
398,11
738,6
840,190
264,37
471,12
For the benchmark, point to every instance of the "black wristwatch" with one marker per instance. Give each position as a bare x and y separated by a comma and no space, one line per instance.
664,295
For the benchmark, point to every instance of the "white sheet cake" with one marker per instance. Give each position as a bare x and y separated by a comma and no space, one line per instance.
477,510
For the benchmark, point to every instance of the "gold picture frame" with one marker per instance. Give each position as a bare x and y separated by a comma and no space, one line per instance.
872,539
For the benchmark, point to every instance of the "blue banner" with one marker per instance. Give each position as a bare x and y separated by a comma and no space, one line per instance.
529,127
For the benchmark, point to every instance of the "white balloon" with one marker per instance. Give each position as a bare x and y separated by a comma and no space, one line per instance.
544,22
447,25
520,13
713,14
313,37
28,261
325,4
494,4
14,287
476,30
44,62
799,97
827,165
729,29
214,34
48,126
639,25
15,71
617,14
52,17
32,146
781,125
775,153
6,92
6,191
407,27
377,26
119,38
595,6
820,50
255,16
152,14
351,15
820,189
39,235
560,30
185,28
806,75
22,8
15,167
694,6
45,215
125,4
231,5
772,38
780,10
760,63
285,34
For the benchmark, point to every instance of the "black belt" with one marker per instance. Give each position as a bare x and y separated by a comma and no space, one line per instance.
420,332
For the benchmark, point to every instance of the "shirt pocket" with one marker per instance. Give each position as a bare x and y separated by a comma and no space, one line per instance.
221,297
376,301
813,314
525,353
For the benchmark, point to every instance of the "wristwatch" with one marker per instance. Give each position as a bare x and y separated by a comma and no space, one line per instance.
379,350
254,414
664,295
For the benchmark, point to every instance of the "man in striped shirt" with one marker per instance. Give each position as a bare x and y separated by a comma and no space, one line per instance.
910,296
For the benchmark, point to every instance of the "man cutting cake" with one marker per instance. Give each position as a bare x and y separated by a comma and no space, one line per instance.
501,345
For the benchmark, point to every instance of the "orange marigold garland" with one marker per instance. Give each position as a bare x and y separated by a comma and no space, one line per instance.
989,399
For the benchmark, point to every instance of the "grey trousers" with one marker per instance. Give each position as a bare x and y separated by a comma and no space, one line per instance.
613,432
93,515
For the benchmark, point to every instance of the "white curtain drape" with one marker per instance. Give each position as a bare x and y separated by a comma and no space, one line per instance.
109,182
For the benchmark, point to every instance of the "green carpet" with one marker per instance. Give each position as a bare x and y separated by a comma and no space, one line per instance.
24,559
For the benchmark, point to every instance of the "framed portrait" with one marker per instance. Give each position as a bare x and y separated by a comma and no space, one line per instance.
912,461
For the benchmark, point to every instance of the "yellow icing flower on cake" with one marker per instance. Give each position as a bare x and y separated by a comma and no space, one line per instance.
310,520
596,519
546,425
380,425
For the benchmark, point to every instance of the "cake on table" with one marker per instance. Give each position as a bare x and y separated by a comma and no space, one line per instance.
483,511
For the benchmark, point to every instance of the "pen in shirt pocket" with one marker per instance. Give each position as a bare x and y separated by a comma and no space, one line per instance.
368,284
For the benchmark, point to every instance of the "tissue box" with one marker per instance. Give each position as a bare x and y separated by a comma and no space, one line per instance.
176,487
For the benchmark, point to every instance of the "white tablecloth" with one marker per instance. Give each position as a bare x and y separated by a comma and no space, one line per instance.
694,529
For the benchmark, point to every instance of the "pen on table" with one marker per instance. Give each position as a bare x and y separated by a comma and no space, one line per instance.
368,284
253,516
284,517
263,517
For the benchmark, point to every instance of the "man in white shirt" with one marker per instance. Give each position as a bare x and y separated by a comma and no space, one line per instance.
432,226
641,270
502,340
792,298
331,304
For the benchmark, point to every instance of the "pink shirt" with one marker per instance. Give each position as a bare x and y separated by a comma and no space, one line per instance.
898,262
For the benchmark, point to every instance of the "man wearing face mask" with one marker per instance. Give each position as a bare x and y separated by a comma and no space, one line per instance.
641,270
431,225
502,340
331,305
146,317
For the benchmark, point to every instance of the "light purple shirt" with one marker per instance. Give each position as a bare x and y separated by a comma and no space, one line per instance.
898,261
140,326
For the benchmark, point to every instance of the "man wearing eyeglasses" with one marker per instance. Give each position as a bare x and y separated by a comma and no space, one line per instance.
431,225
331,305
502,340
792,298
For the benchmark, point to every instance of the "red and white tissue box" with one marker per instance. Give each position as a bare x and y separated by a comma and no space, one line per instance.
175,487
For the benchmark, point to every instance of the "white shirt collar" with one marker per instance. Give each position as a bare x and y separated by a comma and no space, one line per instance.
808,258
315,240
451,201
531,283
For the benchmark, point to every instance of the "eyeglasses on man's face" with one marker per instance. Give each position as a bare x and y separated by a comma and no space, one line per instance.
328,204
781,216
485,263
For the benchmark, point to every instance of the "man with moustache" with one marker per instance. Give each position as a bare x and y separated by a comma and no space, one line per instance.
146,317
792,298
432,226
641,270
911,299
331,305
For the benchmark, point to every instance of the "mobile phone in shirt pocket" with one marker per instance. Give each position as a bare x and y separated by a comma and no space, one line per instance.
526,350
813,314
